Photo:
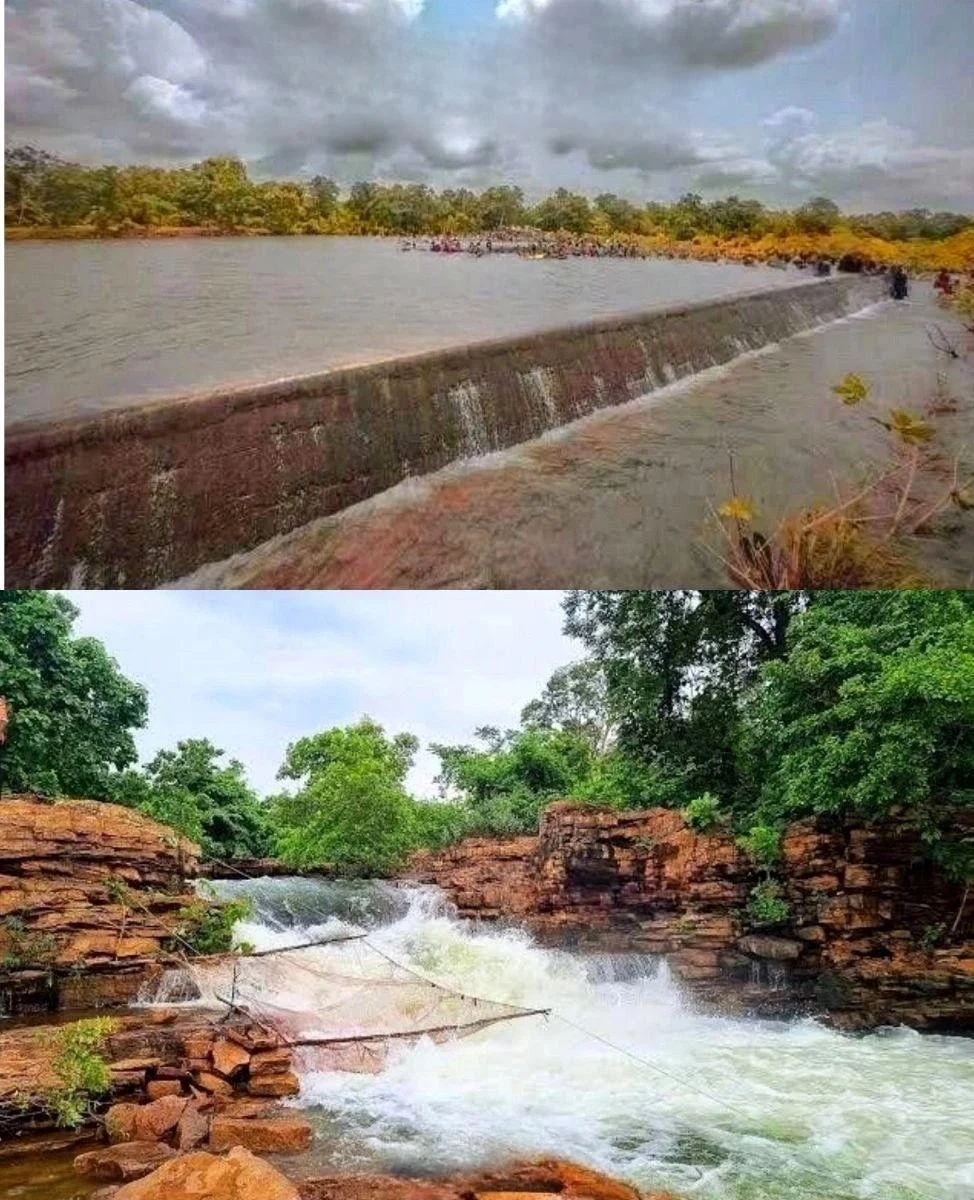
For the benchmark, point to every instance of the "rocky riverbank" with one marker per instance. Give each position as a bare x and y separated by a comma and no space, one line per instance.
90,894
873,936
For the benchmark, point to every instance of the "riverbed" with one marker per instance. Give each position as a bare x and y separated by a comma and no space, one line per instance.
99,324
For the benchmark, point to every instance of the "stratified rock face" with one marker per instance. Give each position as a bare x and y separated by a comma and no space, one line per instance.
861,944
174,1079
88,897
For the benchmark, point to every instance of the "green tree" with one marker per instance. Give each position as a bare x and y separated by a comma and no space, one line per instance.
72,712
352,812
323,193
576,700
501,208
622,216
209,802
218,192
507,785
282,207
819,215
563,210
871,711
676,664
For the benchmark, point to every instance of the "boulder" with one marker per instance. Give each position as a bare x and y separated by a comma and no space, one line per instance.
778,949
120,1122
157,1119
193,1128
119,1164
265,1135
270,1062
203,1176
213,1083
156,1088
229,1059
286,1084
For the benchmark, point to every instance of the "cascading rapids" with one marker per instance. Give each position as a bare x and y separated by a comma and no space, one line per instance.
709,1107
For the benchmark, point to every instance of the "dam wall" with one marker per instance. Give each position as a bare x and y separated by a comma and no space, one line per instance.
141,496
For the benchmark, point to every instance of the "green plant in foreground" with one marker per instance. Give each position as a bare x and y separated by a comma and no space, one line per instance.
81,1071
767,906
207,928
702,813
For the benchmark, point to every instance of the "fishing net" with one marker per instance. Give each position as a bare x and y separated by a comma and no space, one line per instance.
342,1002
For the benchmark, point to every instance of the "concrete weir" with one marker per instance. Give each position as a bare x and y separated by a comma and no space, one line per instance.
141,496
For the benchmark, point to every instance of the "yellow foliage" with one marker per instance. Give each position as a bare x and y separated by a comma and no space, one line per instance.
852,390
738,509
909,427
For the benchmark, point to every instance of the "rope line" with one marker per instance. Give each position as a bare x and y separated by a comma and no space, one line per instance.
824,1172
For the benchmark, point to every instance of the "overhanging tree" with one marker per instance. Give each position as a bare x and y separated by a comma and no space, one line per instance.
72,712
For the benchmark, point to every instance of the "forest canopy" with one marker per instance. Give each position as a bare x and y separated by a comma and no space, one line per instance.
218,194
749,709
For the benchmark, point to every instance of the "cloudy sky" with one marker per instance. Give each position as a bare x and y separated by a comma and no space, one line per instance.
252,671
871,101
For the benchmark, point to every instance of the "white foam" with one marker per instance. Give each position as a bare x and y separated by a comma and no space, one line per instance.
718,1108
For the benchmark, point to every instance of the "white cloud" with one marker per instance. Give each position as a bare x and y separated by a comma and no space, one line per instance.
255,671
647,97
694,33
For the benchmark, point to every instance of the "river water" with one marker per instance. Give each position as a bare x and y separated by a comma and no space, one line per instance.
624,498
713,1108
96,324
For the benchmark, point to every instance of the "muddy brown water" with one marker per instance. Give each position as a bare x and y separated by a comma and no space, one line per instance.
622,499
94,325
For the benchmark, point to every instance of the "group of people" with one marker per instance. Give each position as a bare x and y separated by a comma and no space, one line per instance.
532,244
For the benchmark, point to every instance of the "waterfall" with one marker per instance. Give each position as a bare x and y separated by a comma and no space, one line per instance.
711,1107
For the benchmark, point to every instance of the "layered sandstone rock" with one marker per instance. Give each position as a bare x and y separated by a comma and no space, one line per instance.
866,940
89,894
180,1078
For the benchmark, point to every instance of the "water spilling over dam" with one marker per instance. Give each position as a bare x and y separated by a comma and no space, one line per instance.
145,495
716,1108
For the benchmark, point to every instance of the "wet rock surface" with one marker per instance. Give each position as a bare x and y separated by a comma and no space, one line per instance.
241,1176
861,943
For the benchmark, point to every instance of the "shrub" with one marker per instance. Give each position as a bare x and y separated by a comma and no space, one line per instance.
25,949
766,906
703,813
762,844
81,1071
207,927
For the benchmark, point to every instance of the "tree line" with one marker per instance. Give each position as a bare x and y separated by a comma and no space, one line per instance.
42,190
744,708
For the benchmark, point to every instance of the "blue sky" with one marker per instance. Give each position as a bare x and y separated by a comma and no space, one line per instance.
255,670
869,101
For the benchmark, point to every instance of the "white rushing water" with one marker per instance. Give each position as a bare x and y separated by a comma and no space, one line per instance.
710,1107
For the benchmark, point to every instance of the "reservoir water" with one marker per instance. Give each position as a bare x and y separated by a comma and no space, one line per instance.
711,1107
97,324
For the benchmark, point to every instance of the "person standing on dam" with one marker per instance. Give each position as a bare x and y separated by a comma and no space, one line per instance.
899,285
